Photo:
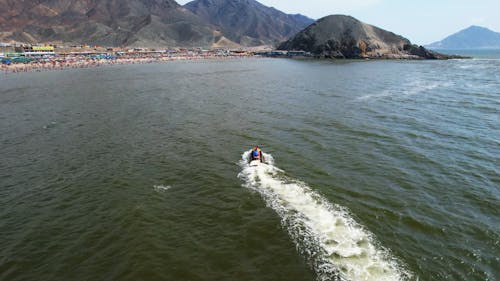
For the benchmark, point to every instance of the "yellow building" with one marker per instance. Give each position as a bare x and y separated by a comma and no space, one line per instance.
43,48
36,50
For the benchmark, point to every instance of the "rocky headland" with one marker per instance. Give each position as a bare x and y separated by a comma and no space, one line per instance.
344,37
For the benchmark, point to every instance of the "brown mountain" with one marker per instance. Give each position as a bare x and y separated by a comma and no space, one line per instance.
103,22
340,36
248,22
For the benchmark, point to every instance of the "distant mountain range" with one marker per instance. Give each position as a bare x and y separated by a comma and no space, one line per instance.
151,23
340,36
474,37
103,22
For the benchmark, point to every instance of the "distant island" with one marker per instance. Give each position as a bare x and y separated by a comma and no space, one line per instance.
473,37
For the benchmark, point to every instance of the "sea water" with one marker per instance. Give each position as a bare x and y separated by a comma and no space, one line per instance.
382,170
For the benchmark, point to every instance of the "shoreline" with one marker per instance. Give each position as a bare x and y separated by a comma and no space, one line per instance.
58,63
81,62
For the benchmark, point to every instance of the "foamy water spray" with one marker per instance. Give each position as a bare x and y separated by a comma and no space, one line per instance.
335,245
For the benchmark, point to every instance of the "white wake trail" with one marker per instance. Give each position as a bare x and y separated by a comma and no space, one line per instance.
335,245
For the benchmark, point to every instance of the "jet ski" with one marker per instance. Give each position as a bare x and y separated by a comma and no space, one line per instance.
256,157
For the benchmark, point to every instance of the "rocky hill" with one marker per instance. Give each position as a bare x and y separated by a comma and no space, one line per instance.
103,22
339,36
248,22
474,37
149,23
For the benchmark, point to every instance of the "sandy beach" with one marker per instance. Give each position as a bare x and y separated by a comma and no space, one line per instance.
72,62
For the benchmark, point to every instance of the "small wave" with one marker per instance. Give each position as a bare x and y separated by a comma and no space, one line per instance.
372,96
466,66
50,125
161,188
413,88
336,246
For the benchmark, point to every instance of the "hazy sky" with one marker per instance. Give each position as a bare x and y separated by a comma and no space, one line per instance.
422,22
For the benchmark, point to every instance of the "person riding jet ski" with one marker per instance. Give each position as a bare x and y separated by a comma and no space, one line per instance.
256,154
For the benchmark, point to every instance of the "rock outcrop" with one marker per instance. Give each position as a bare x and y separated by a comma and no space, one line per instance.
344,37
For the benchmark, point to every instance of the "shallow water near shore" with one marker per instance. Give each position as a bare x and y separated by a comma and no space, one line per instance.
383,170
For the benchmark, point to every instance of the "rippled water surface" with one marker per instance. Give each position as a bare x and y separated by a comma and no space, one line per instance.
383,170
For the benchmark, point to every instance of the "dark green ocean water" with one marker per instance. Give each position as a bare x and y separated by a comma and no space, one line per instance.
387,170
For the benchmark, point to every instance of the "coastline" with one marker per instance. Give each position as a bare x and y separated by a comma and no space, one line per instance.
62,63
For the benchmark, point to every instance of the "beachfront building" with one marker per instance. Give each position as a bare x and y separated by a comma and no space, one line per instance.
36,51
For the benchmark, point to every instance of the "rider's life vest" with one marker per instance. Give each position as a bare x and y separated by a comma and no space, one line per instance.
255,153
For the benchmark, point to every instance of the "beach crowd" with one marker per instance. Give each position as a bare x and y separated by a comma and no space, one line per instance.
62,62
